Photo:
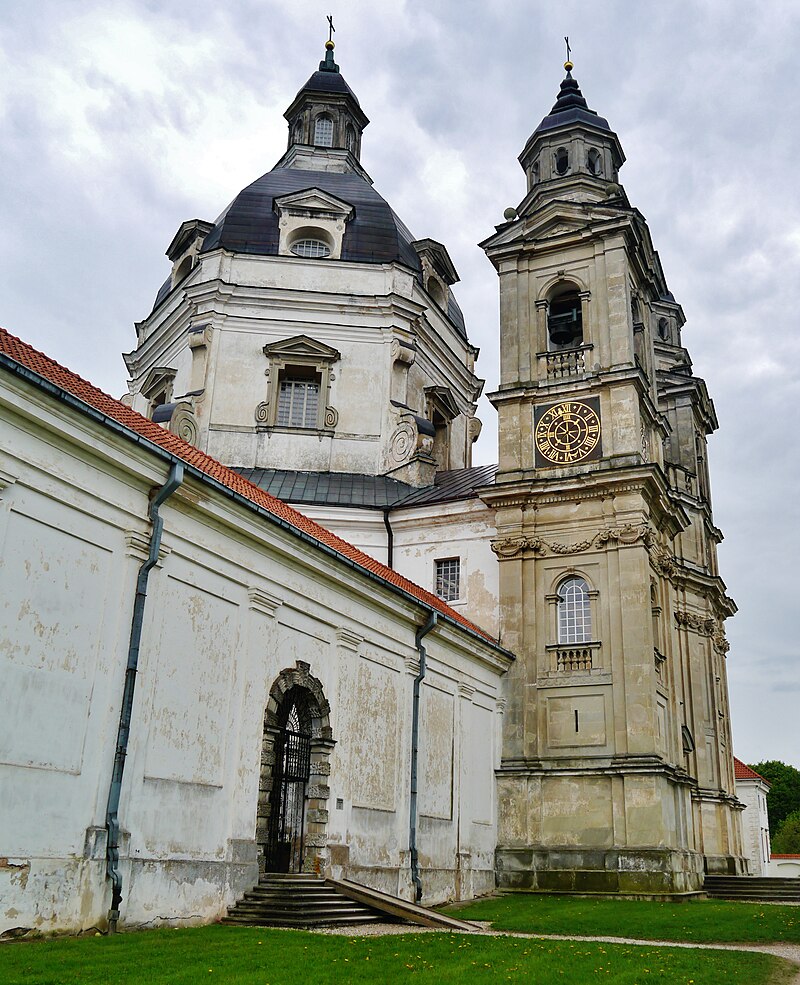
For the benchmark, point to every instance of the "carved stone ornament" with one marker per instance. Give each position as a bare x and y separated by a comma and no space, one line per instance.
331,417
262,413
626,535
475,428
402,443
704,626
184,423
403,352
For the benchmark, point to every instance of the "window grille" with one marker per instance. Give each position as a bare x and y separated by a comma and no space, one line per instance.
448,578
298,403
323,131
574,612
311,248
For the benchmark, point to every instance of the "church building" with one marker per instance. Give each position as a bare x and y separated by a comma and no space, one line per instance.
275,554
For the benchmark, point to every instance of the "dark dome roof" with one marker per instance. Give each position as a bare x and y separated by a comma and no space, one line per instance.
327,81
374,234
571,107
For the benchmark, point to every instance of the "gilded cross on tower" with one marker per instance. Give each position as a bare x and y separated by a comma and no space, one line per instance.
568,62
331,28
566,39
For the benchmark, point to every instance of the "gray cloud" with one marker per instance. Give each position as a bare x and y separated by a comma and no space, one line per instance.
117,123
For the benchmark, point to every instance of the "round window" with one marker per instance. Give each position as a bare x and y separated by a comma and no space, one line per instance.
311,248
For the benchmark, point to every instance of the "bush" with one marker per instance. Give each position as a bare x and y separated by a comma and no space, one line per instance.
786,840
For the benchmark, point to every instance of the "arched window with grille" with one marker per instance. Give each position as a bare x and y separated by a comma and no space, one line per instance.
574,611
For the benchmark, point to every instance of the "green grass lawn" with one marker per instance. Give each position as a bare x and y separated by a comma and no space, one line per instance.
698,921
248,956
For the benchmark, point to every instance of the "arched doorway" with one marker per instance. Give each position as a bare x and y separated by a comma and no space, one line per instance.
295,765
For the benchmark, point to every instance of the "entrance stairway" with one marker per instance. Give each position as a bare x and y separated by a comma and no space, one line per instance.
281,900
761,888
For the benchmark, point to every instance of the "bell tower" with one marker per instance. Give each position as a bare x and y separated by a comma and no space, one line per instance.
617,766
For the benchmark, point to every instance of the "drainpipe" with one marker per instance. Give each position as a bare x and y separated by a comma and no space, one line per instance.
112,810
389,539
421,633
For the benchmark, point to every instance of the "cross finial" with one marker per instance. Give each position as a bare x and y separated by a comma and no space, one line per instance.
331,28
568,62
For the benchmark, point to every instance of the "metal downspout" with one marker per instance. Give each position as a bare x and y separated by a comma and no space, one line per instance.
389,539
112,818
421,633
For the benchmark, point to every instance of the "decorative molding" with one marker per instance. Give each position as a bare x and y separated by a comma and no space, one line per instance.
466,690
349,639
6,480
500,705
261,601
412,665
704,626
137,546
331,418
624,536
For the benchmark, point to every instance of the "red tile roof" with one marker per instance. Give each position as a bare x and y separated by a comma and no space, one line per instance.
742,771
773,855
24,354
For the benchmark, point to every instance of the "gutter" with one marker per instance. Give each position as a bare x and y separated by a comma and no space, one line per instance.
18,369
174,480
422,632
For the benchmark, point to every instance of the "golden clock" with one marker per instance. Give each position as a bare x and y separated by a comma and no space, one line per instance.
567,432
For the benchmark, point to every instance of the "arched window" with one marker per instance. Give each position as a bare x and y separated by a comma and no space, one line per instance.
350,139
310,248
663,329
593,162
323,131
297,133
565,321
562,160
184,269
535,172
574,611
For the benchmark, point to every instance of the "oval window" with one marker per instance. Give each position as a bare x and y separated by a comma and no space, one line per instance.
310,248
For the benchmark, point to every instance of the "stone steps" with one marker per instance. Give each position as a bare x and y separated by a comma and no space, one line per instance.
298,901
766,888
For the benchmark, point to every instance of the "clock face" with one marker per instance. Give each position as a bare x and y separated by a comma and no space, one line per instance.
567,432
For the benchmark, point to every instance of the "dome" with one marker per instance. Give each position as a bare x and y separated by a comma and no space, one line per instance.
571,107
374,234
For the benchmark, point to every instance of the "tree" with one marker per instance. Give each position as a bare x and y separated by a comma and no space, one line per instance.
784,795
787,837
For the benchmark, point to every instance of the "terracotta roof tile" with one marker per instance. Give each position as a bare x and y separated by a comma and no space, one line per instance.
742,771
773,855
40,364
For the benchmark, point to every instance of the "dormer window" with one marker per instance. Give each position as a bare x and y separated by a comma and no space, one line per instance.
593,162
310,248
323,131
562,160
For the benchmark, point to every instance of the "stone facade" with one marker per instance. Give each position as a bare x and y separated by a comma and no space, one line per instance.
617,769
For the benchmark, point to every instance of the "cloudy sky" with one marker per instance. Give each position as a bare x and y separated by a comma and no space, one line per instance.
120,120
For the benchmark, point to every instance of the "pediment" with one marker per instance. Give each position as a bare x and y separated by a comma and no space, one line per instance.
157,377
439,259
303,348
314,201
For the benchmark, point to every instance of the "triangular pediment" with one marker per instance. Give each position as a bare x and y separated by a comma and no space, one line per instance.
301,347
313,200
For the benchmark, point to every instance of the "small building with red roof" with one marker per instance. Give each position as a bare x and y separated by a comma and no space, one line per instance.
752,790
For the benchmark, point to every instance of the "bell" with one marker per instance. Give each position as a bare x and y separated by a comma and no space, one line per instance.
562,328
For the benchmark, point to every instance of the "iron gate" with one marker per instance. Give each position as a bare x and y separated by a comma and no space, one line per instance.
284,849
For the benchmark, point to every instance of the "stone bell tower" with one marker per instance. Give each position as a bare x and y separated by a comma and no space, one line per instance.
617,766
